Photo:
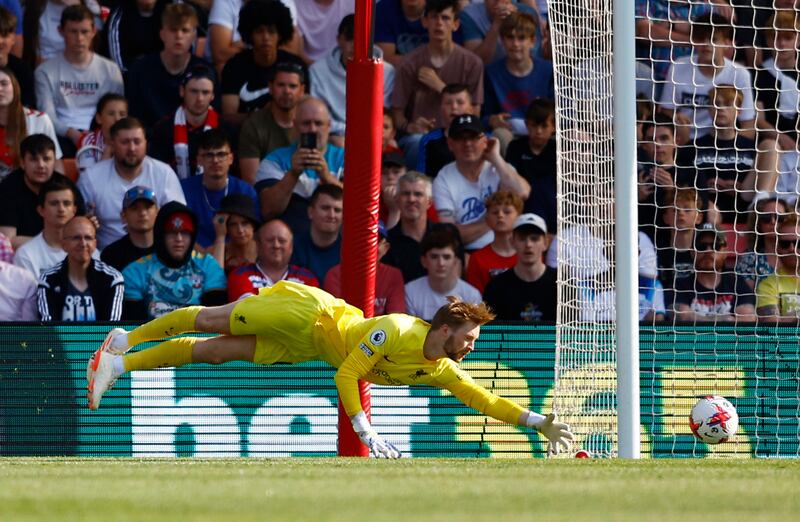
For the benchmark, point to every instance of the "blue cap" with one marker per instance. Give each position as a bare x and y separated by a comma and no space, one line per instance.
136,193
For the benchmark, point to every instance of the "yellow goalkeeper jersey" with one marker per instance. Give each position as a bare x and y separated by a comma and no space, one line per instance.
295,323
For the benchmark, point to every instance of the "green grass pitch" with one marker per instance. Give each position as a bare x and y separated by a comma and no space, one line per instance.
494,490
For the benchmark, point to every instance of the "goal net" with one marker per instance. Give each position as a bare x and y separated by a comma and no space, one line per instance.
717,173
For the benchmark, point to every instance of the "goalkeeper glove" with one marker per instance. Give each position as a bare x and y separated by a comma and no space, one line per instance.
556,432
379,447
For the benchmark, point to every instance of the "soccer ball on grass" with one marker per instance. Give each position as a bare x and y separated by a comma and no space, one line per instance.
714,419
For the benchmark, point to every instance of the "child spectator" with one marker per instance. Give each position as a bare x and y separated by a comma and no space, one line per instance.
502,209
534,157
424,73
95,145
481,24
433,152
511,84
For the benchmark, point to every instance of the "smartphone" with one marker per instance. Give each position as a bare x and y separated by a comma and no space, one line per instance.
308,140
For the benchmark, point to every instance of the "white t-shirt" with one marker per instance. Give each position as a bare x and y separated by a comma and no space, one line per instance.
17,294
454,193
687,89
423,302
225,13
320,23
36,255
104,189
38,122
585,254
51,43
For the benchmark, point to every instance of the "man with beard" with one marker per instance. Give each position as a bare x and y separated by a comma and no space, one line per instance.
272,127
292,323
105,183
175,275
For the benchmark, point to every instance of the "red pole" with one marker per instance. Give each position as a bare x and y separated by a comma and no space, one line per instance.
362,164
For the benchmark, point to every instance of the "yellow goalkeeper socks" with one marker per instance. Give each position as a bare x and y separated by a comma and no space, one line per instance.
175,352
176,322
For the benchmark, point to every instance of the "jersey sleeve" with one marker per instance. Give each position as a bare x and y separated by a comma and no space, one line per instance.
460,384
370,350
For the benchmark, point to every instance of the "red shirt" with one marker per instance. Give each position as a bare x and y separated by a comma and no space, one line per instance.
248,279
485,264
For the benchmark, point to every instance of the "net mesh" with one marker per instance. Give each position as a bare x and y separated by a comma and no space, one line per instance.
718,183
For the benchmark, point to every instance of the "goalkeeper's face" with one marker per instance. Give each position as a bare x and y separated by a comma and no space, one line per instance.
461,341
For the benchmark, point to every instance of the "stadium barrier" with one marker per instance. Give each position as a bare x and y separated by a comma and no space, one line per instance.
247,410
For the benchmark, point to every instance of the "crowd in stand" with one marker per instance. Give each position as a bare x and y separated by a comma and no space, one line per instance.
159,154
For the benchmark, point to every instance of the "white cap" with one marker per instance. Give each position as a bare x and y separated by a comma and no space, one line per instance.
532,220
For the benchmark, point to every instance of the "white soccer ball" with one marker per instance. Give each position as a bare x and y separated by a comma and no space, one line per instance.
714,419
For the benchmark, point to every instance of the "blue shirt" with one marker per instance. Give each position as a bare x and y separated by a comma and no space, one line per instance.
475,24
205,203
165,289
505,92
15,7
318,260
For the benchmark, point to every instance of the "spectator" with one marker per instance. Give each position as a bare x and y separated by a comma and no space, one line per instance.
527,291
392,168
535,158
319,248
713,295
733,169
675,241
690,79
153,81
224,40
272,127
80,288
317,21
512,83
18,122
17,294
235,224
174,138
390,297
204,193
388,141
68,86
440,258
265,25
95,145
19,191
131,31
139,209
6,250
502,209
478,171
174,276
56,205
288,176
426,71
9,38
481,24
274,241
104,185
399,29
414,199
776,80
41,23
329,76
778,295
762,256
433,152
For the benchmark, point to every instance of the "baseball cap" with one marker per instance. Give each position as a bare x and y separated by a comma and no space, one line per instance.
708,228
179,222
392,158
199,71
136,193
531,220
464,124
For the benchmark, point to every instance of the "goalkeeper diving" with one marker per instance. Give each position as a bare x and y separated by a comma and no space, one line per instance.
292,323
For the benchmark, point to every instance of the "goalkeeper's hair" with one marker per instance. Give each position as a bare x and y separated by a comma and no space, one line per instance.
456,313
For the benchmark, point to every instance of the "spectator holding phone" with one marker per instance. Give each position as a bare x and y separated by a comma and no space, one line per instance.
288,176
